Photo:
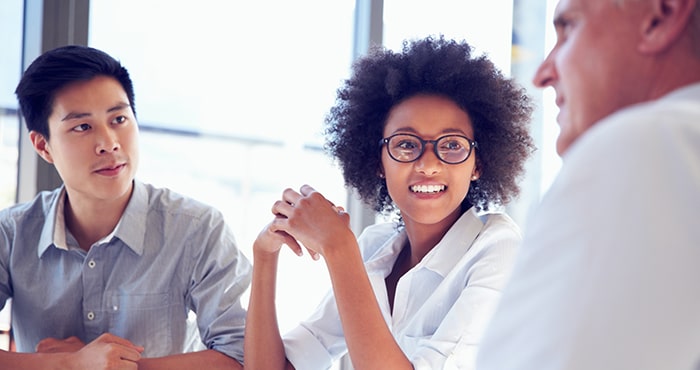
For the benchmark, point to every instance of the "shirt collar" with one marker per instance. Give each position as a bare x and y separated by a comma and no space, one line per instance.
131,228
52,222
691,92
454,245
443,257
382,261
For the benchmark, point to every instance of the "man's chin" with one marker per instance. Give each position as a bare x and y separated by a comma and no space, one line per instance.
563,144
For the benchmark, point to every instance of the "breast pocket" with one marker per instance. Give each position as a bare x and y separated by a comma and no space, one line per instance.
144,319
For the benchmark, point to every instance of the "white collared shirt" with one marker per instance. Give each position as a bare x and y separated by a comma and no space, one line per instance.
441,306
608,274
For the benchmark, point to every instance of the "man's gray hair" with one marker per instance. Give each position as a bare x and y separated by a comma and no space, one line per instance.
694,25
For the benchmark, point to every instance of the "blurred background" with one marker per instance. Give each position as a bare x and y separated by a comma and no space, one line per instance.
231,97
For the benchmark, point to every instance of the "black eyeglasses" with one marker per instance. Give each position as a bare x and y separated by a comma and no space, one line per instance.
451,149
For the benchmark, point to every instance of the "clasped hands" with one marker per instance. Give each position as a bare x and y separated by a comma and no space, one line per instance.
304,220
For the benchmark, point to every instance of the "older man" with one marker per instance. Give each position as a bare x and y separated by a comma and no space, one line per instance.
607,276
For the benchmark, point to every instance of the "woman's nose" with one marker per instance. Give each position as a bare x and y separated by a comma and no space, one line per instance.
428,163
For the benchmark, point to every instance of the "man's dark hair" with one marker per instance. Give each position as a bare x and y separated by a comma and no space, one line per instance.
57,68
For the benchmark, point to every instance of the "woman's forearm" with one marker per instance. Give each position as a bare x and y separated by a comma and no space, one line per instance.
370,342
263,342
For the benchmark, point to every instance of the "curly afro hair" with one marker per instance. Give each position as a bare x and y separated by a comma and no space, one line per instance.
498,107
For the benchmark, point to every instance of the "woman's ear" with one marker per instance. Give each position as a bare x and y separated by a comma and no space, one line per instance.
475,174
666,22
41,145
380,171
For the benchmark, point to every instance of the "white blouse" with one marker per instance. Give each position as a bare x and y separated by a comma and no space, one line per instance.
441,306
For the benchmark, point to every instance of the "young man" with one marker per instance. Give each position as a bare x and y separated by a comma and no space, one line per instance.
104,270
608,272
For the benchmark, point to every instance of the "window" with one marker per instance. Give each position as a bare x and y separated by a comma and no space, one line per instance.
550,129
485,25
231,97
10,58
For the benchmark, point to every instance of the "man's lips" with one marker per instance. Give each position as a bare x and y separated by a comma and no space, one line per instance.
111,170
559,101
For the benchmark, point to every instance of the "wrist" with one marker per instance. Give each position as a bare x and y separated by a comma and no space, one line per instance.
341,247
56,361
265,256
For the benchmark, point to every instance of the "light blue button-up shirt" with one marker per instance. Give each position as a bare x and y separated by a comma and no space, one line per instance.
168,257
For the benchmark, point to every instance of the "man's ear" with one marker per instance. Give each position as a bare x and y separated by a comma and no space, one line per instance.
666,22
41,145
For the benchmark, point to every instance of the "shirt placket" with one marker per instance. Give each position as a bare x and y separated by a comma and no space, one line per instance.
401,298
94,316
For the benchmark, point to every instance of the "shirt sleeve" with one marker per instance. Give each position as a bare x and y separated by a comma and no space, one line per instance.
318,341
607,275
220,276
5,242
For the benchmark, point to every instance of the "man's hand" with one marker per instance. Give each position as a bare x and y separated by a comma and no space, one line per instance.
106,352
53,345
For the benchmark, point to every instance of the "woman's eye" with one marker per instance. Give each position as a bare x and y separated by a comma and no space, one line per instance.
119,119
408,145
452,145
81,127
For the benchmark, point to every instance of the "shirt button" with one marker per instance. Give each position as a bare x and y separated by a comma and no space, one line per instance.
91,315
92,264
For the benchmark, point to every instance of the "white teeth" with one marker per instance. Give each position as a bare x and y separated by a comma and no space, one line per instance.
427,188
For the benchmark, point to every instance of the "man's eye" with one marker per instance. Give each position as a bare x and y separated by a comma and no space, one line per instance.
563,28
119,119
82,127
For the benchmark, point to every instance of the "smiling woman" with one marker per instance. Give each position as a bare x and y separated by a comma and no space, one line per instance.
424,287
